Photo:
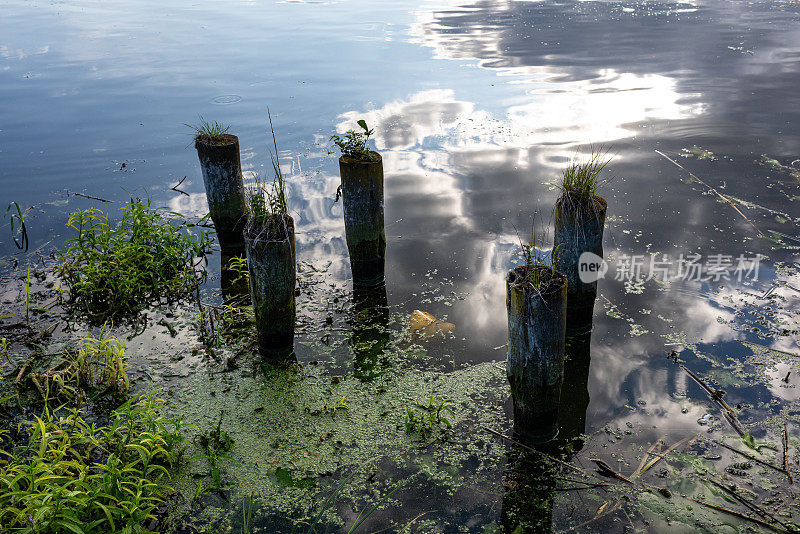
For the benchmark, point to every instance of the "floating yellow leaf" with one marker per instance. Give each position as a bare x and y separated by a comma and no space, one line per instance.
425,325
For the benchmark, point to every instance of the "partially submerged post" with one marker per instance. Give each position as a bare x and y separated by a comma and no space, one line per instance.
222,174
580,216
272,268
269,242
536,302
361,171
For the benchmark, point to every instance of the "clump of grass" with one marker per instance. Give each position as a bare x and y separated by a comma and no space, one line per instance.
267,202
96,364
210,132
117,270
581,181
537,272
75,476
354,144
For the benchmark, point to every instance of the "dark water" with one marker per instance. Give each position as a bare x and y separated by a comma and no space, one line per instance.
476,107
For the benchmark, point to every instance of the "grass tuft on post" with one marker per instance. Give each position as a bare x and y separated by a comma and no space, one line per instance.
581,181
213,133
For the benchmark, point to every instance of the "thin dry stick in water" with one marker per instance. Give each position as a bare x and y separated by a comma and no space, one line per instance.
720,195
716,396
786,453
748,456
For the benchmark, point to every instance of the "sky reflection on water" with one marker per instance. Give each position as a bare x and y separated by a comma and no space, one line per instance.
476,107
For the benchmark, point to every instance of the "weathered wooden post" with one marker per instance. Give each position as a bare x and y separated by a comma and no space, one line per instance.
269,242
536,302
362,196
580,216
222,175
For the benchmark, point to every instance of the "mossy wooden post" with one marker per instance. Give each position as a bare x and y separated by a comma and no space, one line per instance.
273,271
222,175
536,337
362,196
579,226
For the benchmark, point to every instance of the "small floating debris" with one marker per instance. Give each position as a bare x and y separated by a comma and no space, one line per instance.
424,325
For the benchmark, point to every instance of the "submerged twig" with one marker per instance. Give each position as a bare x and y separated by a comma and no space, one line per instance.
90,197
748,456
716,396
175,187
549,457
601,512
720,195
658,456
737,514
786,453
760,511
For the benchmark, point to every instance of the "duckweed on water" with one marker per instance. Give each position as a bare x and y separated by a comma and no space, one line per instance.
117,270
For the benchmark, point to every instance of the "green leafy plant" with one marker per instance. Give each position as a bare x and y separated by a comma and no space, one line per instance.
76,476
267,202
427,418
215,443
238,266
96,364
354,144
117,270
210,132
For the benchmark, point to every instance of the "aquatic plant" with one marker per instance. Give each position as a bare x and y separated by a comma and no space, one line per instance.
581,181
209,132
537,272
19,232
266,202
97,363
75,476
354,144
426,418
215,443
118,270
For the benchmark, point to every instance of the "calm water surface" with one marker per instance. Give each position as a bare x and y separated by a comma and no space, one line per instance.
477,106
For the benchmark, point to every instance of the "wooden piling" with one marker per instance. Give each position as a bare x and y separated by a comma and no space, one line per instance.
362,196
536,341
222,175
273,272
579,226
